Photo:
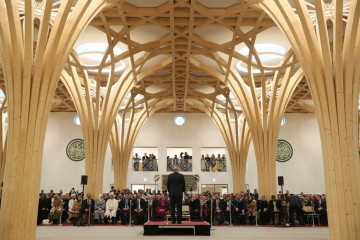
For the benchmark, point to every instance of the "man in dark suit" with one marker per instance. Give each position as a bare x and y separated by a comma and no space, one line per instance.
275,208
87,205
295,207
124,209
176,188
320,208
139,209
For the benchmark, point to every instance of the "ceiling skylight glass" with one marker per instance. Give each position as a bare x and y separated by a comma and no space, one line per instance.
269,54
92,54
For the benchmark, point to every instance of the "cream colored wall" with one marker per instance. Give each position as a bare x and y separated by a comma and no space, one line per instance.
304,172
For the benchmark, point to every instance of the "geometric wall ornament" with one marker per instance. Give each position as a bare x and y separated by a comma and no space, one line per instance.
284,151
75,150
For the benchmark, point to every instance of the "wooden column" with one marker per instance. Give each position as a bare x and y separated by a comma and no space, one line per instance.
97,105
31,75
126,127
263,107
234,130
326,41
3,141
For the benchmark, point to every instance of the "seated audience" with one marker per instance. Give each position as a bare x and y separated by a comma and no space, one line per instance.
55,211
111,208
229,210
251,209
124,209
162,205
88,207
75,210
44,208
218,207
65,210
99,209
263,209
240,209
320,208
139,209
275,208
194,207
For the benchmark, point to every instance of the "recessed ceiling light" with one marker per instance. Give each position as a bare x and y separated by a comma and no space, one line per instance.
179,120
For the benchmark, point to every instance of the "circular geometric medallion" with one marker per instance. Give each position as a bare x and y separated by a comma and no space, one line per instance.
284,151
75,150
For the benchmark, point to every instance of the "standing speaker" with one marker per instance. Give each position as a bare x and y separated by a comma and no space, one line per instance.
84,179
280,180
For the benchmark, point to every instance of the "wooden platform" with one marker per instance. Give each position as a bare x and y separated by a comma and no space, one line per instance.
185,228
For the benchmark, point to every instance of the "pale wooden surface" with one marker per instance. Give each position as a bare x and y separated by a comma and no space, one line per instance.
332,68
32,72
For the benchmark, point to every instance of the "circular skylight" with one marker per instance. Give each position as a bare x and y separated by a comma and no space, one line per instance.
179,120
77,120
92,54
270,55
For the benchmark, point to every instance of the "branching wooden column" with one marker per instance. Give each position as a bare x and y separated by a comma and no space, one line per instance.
97,102
235,131
3,140
326,40
263,107
126,127
36,39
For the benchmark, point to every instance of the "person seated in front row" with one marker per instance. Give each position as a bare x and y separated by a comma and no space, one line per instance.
205,205
44,208
56,209
228,209
263,207
65,210
162,205
111,208
75,209
139,209
124,209
99,209
88,208
240,209
251,209
275,208
218,213
320,208
194,207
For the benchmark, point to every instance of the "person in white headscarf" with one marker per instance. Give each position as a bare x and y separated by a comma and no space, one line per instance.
71,202
100,206
111,208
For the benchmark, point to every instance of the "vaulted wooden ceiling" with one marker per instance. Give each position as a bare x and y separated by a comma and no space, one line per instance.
170,33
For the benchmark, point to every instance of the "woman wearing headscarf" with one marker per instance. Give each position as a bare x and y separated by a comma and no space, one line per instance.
99,209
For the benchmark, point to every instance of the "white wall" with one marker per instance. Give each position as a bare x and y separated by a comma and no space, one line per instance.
197,132
304,172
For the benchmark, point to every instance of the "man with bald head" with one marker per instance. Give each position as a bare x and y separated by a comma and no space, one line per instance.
176,188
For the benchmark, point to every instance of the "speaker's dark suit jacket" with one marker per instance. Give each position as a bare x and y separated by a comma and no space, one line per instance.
176,184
